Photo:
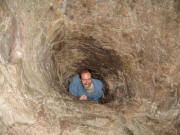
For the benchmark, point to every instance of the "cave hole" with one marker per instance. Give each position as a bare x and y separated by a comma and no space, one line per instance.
105,64
75,50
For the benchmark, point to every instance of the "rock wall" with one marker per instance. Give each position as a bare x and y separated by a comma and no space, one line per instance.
132,46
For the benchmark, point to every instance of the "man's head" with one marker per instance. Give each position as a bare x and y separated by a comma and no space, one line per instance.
86,79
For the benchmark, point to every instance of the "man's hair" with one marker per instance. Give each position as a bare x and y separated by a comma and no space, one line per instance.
84,71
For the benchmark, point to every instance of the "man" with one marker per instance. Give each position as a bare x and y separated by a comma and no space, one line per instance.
85,87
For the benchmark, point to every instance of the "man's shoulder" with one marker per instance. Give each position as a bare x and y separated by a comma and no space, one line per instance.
76,78
97,82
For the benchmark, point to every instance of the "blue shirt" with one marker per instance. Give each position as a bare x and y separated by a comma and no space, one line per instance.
76,88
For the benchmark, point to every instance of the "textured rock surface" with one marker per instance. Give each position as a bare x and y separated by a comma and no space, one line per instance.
133,46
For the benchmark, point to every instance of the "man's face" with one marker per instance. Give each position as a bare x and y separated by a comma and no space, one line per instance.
86,80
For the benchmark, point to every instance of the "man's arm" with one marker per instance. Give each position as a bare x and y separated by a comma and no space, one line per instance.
99,92
75,88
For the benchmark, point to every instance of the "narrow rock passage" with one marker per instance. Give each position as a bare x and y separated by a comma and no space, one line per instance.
132,46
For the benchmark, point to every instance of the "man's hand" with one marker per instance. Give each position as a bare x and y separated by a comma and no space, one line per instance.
83,97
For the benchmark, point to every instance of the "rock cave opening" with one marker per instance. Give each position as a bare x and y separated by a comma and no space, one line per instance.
72,52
